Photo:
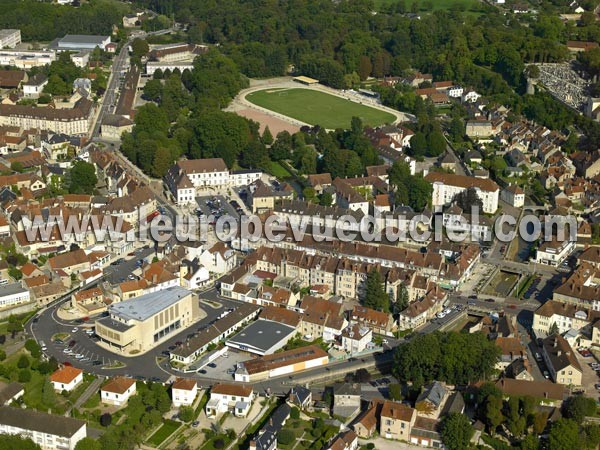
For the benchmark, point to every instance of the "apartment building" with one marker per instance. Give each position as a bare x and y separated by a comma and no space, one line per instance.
582,288
73,121
186,177
50,432
554,252
9,38
446,186
26,59
561,361
396,421
564,315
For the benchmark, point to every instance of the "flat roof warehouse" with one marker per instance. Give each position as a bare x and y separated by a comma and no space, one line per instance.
262,337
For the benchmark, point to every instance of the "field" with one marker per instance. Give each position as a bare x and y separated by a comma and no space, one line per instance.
317,108
165,430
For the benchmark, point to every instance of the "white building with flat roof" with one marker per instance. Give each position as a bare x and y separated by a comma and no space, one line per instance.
10,38
80,42
26,59
48,431
13,294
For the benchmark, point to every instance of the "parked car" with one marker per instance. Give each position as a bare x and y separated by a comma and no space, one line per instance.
202,372
212,365
546,374
72,343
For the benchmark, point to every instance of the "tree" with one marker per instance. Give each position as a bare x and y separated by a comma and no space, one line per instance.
578,407
533,71
32,346
468,199
88,443
418,145
375,296
24,376
326,199
436,144
402,297
162,161
309,194
295,413
364,67
362,376
395,391
457,431
554,329
105,419
267,137
139,48
286,437
17,166
493,413
456,129
531,442
564,435
23,362
82,178
12,442
48,394
153,90
186,413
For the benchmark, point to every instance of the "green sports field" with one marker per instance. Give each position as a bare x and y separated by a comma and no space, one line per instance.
317,108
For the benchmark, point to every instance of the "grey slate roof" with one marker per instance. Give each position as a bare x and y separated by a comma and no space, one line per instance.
262,335
28,419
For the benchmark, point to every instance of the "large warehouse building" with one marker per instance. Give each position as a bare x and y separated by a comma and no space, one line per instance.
282,363
262,337
143,322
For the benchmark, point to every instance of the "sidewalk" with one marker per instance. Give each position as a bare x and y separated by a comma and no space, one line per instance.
91,390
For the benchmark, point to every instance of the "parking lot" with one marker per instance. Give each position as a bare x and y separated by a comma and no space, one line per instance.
216,205
223,364
74,346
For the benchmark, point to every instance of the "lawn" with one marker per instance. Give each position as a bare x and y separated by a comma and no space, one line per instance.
279,171
166,429
318,108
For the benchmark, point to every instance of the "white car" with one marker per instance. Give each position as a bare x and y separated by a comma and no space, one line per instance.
67,351
79,356
75,330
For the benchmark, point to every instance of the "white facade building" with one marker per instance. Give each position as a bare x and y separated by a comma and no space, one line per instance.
48,431
513,195
184,392
10,38
26,59
229,397
446,186
13,294
117,391
153,66
455,92
66,379
553,253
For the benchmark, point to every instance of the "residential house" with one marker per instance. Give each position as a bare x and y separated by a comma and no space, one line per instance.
66,378
396,421
379,321
218,259
184,392
356,338
561,361
346,399
346,440
226,397
117,391
301,397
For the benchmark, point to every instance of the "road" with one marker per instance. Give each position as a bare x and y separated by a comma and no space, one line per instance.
120,62
144,366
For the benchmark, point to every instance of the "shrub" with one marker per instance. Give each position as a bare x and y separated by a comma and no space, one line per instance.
24,376
286,437
105,419
186,413
2,355
295,413
219,443
23,362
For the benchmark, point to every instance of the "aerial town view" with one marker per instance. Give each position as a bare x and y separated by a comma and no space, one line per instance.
299,224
